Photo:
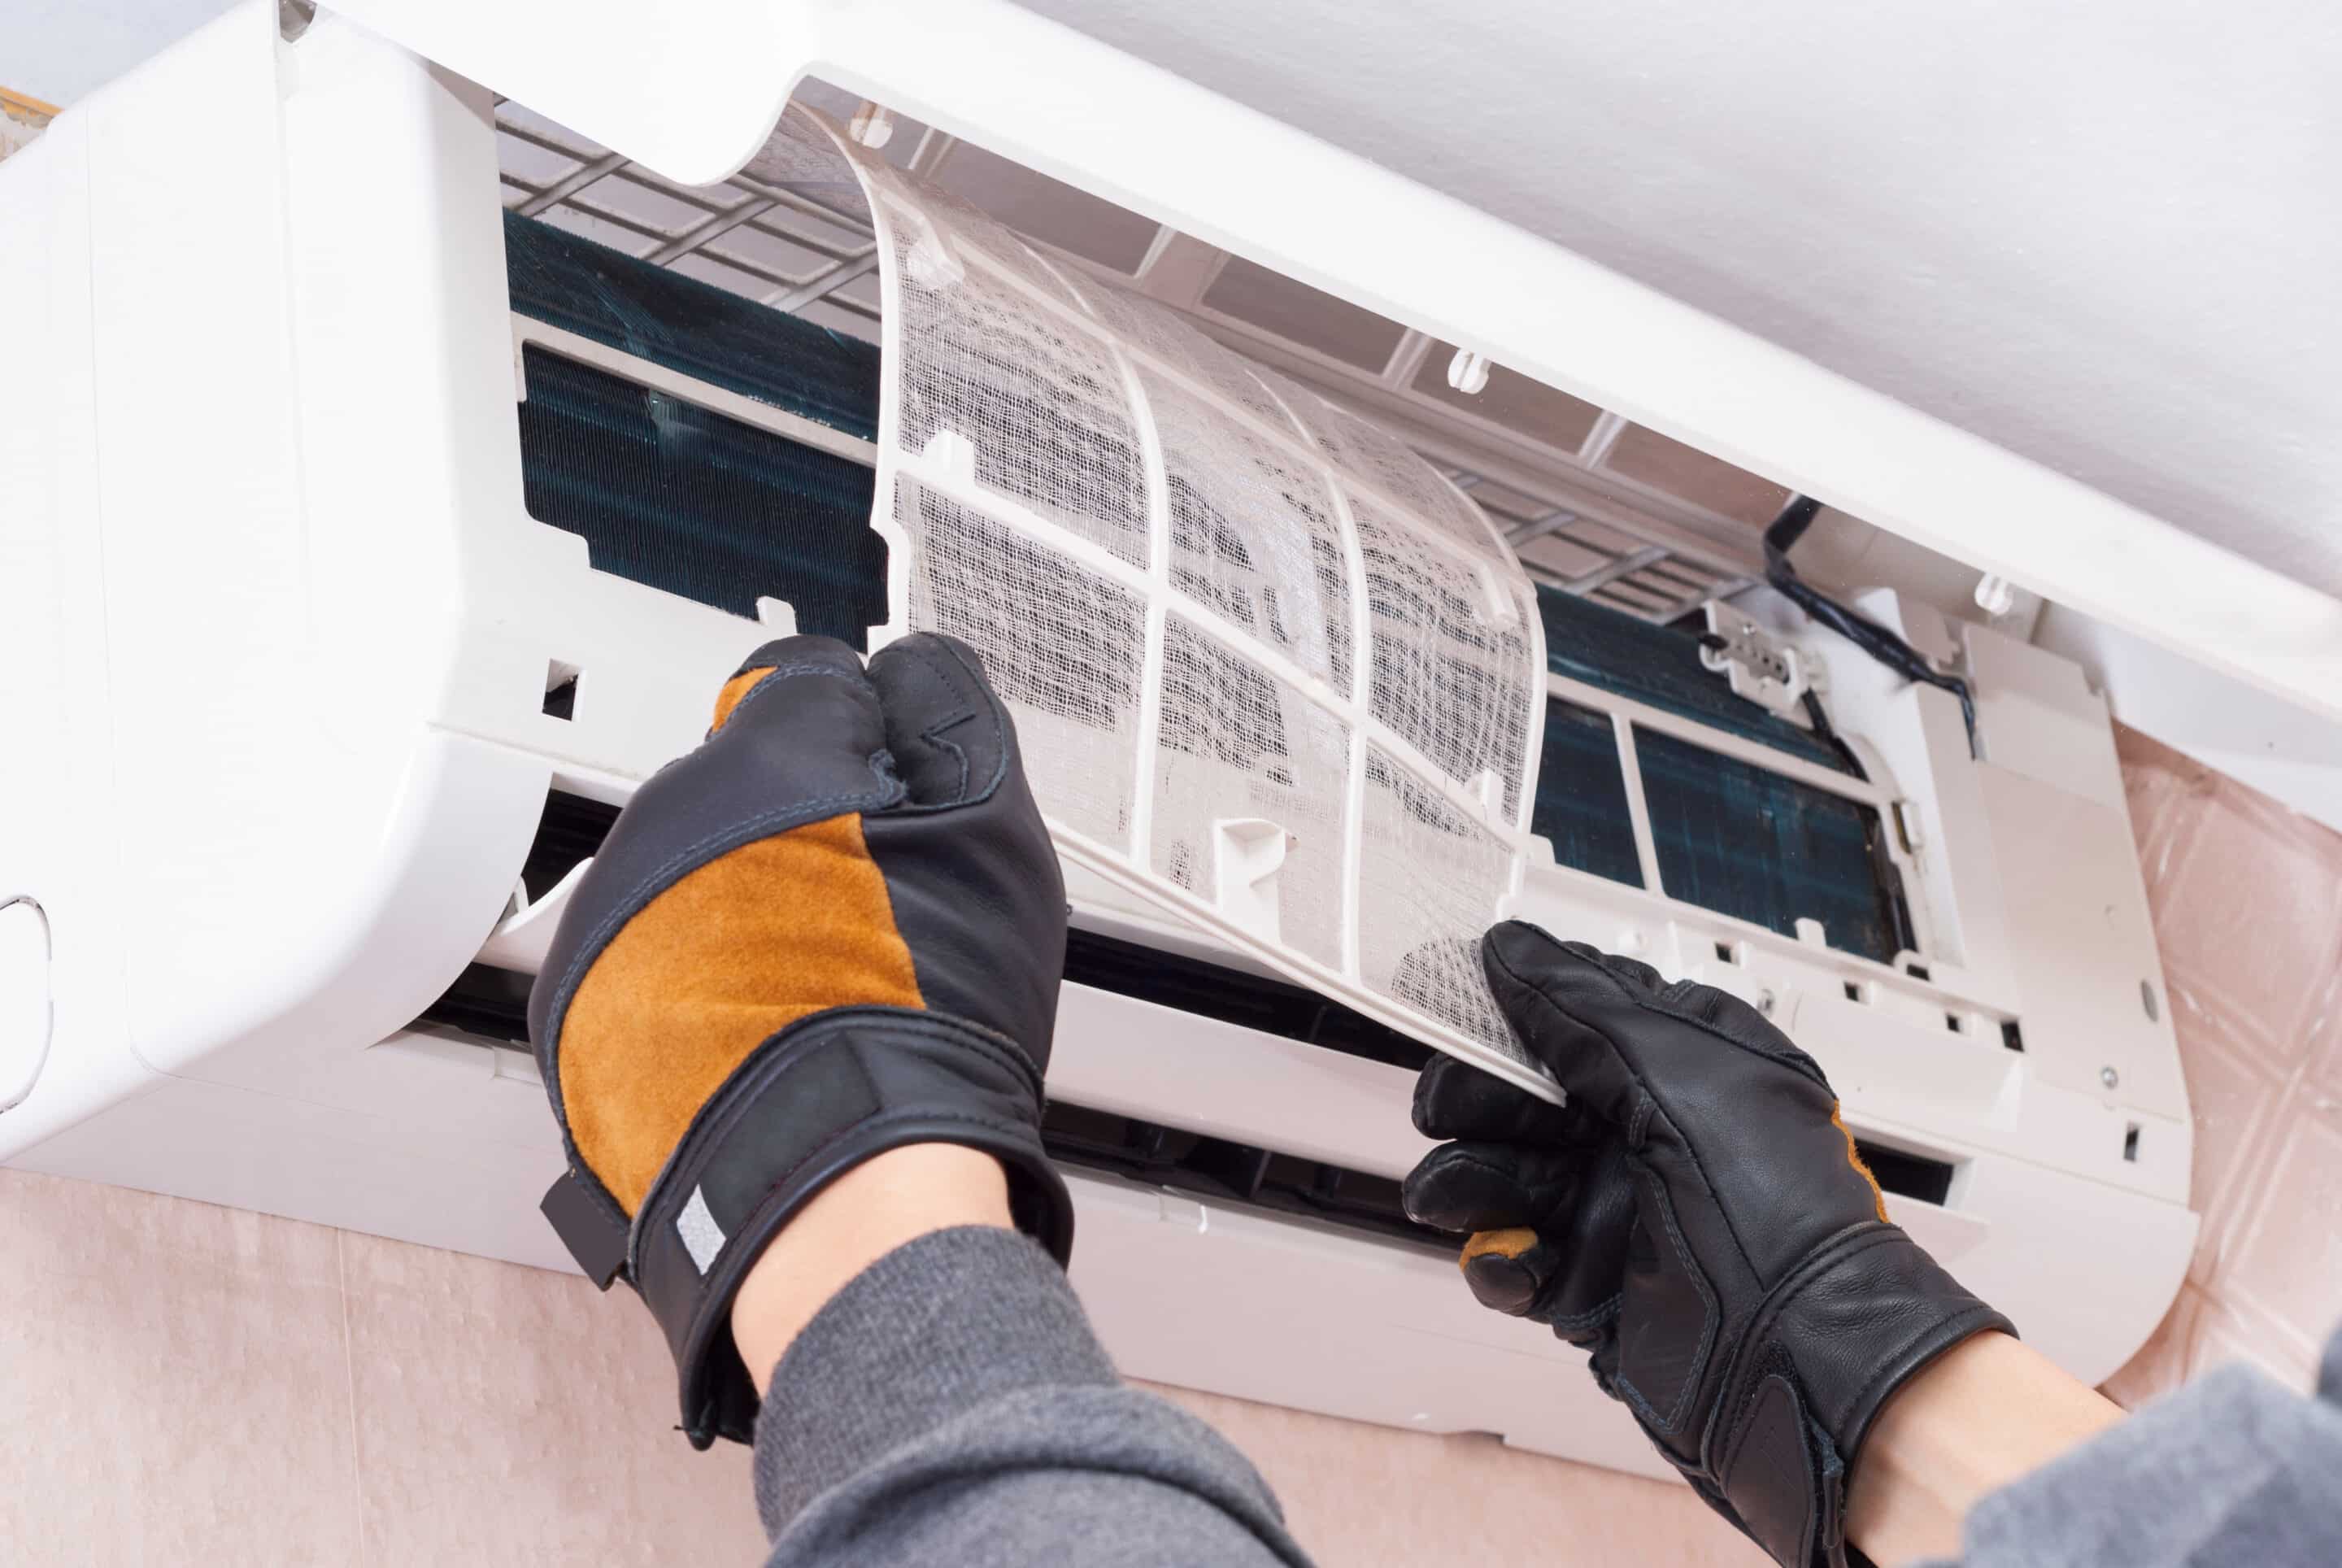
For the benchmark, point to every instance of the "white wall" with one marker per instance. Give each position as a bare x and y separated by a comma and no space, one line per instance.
57,50
2104,233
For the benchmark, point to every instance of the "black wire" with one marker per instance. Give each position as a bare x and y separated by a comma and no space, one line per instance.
1859,629
1880,644
1829,735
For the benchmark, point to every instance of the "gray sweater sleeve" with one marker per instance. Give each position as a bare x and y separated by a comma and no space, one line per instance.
950,1405
2229,1470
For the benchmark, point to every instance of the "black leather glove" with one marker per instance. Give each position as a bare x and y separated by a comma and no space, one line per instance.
834,929
1697,1217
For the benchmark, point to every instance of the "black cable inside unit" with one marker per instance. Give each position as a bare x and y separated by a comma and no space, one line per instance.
1859,629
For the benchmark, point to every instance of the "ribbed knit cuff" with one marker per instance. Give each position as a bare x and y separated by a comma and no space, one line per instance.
2229,1468
927,1333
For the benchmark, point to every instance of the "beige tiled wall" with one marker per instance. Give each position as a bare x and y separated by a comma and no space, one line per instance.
2248,904
181,1383
1356,1494
186,1385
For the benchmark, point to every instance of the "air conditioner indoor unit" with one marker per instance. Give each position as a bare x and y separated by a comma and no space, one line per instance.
373,527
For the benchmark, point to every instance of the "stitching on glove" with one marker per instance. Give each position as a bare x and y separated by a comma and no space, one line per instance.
757,1072
788,672
1691,1153
1743,1421
895,1118
1649,1001
1857,1238
1465,1157
1795,1060
1640,1124
976,680
1707,1321
1591,1317
764,825
595,1192
814,1030
933,734
1833,1249
887,1119
1976,1314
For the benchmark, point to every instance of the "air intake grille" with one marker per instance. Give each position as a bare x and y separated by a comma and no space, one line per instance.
492,1004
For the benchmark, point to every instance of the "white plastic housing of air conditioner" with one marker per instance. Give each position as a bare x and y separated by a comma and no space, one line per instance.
277,633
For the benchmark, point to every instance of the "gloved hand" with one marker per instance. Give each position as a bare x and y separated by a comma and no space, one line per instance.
834,929
1697,1217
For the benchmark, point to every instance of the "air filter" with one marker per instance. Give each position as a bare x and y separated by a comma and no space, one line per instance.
1270,670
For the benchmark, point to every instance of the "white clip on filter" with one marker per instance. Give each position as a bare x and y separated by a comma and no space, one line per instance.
931,263
951,452
1468,373
1247,853
872,126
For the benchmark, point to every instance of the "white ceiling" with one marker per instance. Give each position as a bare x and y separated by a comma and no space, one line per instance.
2106,234
57,50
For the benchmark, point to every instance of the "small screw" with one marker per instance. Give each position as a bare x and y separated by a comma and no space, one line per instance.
2109,1077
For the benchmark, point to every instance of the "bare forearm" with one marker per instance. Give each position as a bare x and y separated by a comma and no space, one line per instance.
865,1214
1989,1411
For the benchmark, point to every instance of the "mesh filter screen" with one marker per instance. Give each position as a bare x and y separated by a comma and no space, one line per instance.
1359,448
1064,648
1253,534
1434,872
1447,675
1270,669
1232,745
1057,428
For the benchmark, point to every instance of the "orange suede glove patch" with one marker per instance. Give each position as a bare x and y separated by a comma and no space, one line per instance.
708,972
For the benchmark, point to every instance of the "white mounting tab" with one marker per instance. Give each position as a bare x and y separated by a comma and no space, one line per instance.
952,452
1761,667
872,126
1249,852
1468,372
523,937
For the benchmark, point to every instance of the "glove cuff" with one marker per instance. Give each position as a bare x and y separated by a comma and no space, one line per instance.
809,1104
1829,1347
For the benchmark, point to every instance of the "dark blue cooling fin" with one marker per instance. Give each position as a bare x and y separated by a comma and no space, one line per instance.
695,328
672,495
1731,836
1660,666
1738,839
1581,796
